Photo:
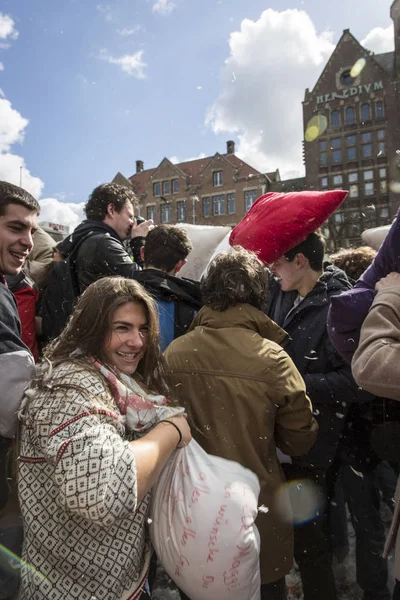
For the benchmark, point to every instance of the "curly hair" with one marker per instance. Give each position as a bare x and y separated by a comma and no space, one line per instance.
236,277
353,261
105,194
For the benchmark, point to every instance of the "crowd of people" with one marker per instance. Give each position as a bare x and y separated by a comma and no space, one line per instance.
289,369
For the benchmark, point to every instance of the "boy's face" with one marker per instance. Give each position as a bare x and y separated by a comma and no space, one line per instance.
17,226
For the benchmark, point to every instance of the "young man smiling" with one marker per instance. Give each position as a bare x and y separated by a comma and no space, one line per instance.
18,213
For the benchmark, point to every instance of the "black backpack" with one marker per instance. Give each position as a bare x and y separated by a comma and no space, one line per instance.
60,295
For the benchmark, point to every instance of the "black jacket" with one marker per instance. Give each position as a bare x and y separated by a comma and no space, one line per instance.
101,254
184,292
330,384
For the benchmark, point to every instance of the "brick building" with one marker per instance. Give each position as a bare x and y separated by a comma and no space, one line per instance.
216,190
354,109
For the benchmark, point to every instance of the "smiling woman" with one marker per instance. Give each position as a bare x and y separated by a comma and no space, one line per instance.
82,465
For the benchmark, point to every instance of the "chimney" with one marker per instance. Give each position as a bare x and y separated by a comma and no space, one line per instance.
230,147
139,166
395,15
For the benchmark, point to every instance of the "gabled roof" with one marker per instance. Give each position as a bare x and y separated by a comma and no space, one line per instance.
386,61
192,169
121,180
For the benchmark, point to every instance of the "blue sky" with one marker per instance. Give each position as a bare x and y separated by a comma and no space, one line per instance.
184,91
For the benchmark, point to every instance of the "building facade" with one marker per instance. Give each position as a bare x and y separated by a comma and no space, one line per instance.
216,190
352,136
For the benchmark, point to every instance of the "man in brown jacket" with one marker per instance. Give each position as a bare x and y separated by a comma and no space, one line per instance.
244,396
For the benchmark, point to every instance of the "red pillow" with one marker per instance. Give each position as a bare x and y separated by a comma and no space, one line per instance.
277,222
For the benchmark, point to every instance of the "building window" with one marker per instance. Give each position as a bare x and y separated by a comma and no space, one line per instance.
166,188
337,156
351,140
323,145
368,175
350,115
383,186
369,189
346,78
207,206
384,212
181,210
336,143
219,205
380,134
354,191
367,150
338,217
323,159
337,179
324,182
217,179
353,177
366,137
166,212
382,173
379,109
250,196
231,203
352,153
335,118
156,189
175,186
151,213
365,112
381,148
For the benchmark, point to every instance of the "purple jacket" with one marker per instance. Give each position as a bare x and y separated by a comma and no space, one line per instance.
348,310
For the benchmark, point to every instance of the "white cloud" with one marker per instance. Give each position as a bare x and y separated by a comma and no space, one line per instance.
272,61
163,7
379,40
132,64
7,27
105,10
64,213
12,125
125,32
1,66
10,170
175,160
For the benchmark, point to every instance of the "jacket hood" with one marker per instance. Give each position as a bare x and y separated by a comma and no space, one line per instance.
88,226
335,279
168,287
243,316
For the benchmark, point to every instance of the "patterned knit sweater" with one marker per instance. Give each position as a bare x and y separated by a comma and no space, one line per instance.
85,535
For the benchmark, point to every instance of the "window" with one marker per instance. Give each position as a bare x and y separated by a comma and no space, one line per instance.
366,137
380,134
250,196
346,78
175,186
323,145
382,173
379,109
336,143
151,213
381,148
217,178
338,217
369,189
352,153
166,212
207,206
337,156
219,205
384,212
351,140
181,210
156,189
335,118
350,116
353,177
354,191
367,150
166,188
337,179
231,203
324,182
323,159
365,112
383,186
368,175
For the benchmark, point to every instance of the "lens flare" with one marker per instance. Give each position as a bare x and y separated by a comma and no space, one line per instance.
299,501
315,127
358,67
12,563
395,187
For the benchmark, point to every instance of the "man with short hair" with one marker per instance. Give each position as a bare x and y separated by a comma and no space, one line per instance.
110,221
178,299
299,304
18,213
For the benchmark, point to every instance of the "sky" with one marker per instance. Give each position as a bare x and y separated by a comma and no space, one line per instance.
88,87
